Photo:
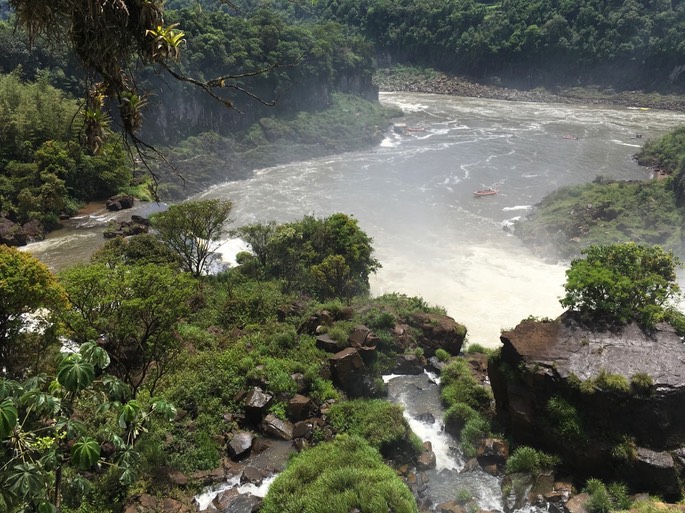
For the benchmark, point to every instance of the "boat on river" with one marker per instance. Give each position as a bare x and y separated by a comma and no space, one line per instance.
485,192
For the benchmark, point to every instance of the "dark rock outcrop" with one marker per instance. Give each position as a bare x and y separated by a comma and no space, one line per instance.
350,374
119,202
240,445
438,332
565,388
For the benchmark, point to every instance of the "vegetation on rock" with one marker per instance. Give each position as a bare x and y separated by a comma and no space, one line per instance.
621,283
338,477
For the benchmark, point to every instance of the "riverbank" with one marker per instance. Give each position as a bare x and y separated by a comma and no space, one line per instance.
430,81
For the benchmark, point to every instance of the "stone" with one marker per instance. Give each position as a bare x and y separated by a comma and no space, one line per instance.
492,452
119,202
252,475
426,460
576,504
438,332
358,336
326,343
348,373
550,358
300,407
450,507
278,428
256,402
240,445
303,429
407,364
11,233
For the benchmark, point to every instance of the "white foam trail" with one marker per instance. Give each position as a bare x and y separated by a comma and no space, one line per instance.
230,248
204,499
517,207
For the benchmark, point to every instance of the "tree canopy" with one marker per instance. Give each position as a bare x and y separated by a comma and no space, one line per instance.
620,283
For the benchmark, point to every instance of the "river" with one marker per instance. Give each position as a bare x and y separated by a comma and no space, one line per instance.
414,195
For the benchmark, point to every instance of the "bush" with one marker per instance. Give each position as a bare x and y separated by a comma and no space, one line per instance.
529,460
476,348
642,383
604,499
337,477
612,382
565,421
475,429
380,423
457,415
442,355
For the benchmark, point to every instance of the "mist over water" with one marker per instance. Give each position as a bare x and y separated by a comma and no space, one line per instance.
414,195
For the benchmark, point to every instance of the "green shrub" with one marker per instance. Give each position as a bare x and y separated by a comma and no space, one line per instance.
475,429
457,415
604,499
476,348
442,355
337,477
565,421
380,423
529,460
625,450
642,383
612,382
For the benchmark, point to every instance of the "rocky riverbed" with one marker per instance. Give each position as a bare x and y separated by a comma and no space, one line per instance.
441,83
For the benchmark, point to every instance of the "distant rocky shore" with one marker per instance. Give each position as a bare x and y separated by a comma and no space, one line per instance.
440,83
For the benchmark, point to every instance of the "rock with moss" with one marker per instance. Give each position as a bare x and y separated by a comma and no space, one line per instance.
566,388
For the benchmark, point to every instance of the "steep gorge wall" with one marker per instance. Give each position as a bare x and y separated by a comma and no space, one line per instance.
564,388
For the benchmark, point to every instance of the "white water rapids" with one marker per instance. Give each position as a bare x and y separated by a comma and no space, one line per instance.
414,195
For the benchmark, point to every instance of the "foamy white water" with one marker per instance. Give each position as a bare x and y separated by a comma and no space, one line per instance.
414,195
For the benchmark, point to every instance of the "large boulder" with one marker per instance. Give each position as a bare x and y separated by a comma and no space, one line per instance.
11,233
572,390
438,332
119,202
350,374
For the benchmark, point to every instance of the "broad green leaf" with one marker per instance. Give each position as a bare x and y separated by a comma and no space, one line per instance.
85,453
8,388
46,507
75,374
25,480
116,389
165,408
128,413
8,418
95,355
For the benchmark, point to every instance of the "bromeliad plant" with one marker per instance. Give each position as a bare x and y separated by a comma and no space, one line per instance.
43,430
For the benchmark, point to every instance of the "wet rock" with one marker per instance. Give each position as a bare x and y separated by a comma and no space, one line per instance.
407,364
426,460
450,507
240,445
426,417
252,475
124,229
119,202
11,233
657,469
358,336
256,402
34,230
576,504
274,426
493,452
241,503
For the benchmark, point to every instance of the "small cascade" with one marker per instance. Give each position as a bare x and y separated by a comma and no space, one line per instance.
420,397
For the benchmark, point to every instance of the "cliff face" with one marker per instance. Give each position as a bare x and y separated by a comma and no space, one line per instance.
585,395
187,110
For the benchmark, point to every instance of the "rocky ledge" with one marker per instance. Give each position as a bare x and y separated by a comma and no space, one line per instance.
610,403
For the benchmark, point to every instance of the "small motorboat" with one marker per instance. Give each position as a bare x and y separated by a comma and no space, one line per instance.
485,192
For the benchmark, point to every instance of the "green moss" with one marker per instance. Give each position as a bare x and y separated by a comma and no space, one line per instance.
338,477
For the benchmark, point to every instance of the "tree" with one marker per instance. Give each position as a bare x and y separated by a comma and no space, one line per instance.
133,311
48,427
620,283
193,230
26,285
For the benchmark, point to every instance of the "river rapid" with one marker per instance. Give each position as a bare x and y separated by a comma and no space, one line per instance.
413,194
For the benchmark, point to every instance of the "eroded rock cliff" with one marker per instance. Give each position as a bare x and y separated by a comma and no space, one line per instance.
611,403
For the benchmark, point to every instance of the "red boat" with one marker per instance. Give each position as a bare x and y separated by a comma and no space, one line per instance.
485,192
